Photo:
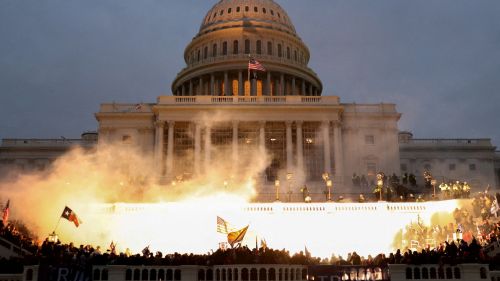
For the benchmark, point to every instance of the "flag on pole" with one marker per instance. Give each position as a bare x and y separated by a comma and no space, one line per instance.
236,236
6,212
255,65
71,216
263,244
222,225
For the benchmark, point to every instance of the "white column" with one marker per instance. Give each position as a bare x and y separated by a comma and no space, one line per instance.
226,84
241,87
326,146
262,137
338,151
197,148
208,147
235,144
170,148
300,147
289,148
160,127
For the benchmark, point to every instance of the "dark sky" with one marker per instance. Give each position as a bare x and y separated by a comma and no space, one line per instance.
439,61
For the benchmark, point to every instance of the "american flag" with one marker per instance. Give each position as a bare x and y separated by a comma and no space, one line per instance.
255,65
222,225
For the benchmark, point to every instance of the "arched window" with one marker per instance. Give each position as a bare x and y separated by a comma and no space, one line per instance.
214,50
280,274
409,273
145,274
161,274
244,274
235,274
177,275
137,274
152,274
292,274
224,274
262,274
288,52
230,274
456,272
440,273
224,48
255,9
272,13
482,273
201,274
416,273
258,47
264,10
280,52
247,8
96,275
199,53
229,10
449,274
247,46
217,274
433,273
286,273
169,275
221,12
235,47
237,9
205,53
272,274
210,275
104,274
269,48
253,274
29,274
304,274
425,273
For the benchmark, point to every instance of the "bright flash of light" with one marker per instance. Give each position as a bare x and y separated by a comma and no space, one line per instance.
190,226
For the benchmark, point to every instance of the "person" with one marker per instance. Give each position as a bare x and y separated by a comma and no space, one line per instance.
445,190
361,198
465,190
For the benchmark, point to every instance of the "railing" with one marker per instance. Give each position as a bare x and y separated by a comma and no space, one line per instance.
214,100
472,142
370,108
46,142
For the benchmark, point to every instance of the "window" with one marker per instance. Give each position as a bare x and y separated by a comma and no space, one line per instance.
295,55
452,167
279,16
247,8
280,52
235,47
126,139
247,46
229,10
472,167
237,9
205,53
255,9
214,50
221,12
371,168
264,10
404,167
482,273
456,273
258,47
224,48
199,55
409,274
272,13
288,52
416,273
448,273
370,139
269,48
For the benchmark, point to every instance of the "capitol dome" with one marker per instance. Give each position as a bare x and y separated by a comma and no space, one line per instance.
231,32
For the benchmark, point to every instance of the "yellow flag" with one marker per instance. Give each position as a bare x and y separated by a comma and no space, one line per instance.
236,236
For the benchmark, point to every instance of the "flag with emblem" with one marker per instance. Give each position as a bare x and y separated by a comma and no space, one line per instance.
236,236
71,216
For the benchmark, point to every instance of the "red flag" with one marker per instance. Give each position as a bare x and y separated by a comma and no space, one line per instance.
6,212
71,216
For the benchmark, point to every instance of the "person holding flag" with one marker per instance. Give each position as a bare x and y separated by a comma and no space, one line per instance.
6,213
253,64
70,216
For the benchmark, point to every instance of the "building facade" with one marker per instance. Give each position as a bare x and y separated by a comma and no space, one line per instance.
220,112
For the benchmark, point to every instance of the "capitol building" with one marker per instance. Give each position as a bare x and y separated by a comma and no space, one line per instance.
219,107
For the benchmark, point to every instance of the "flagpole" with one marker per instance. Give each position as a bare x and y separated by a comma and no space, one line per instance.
249,83
57,225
